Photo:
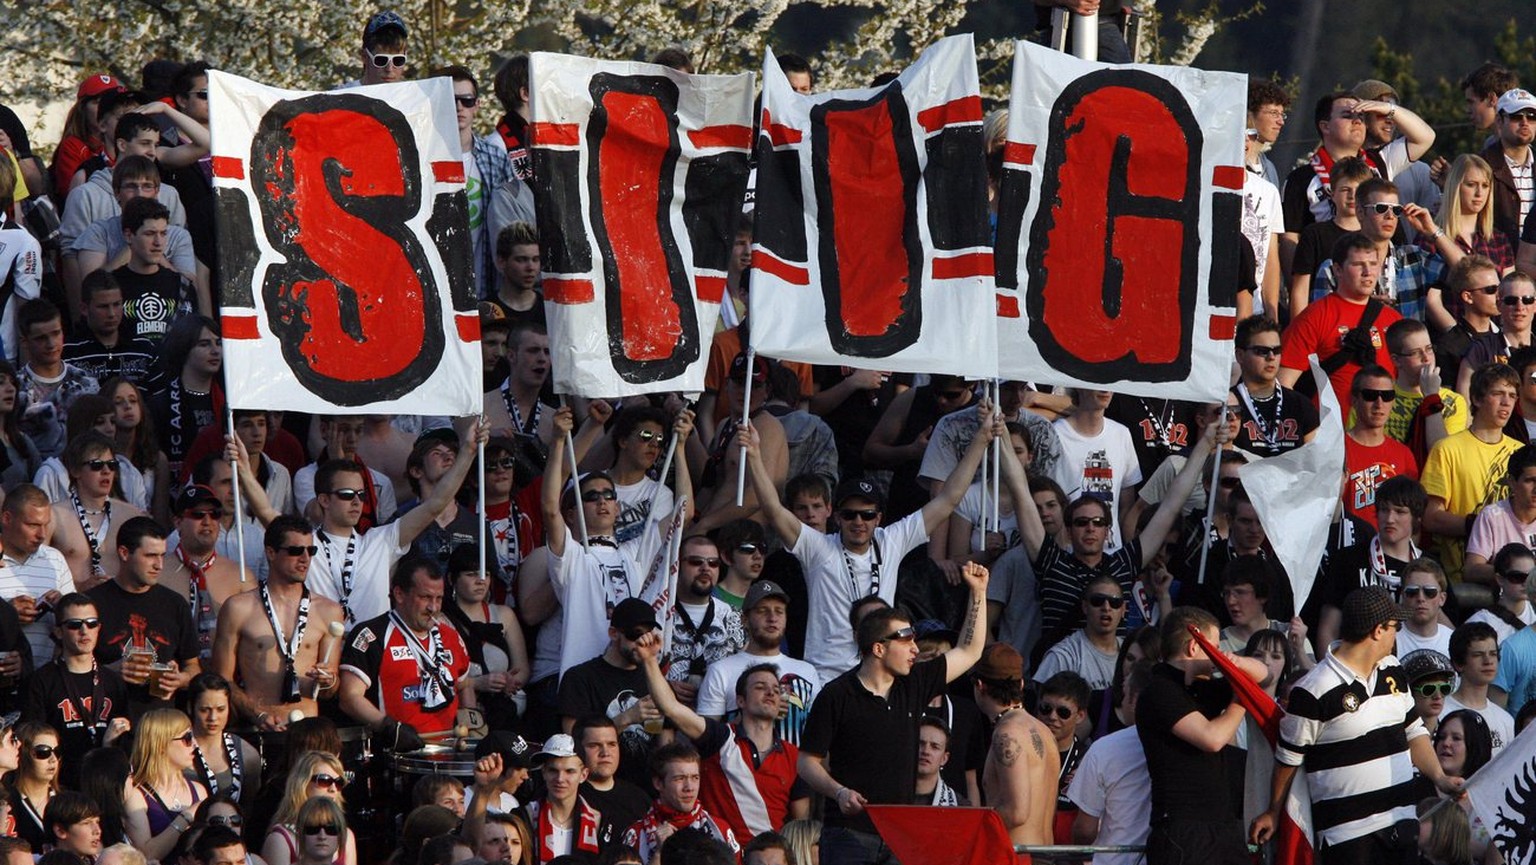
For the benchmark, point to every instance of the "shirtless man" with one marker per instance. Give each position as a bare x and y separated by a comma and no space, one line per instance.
1022,764
271,680
386,448
864,723
85,525
195,563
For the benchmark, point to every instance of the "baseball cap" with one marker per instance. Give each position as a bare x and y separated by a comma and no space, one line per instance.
858,488
558,745
633,613
568,495
1421,664
933,629
514,749
384,20
1516,100
739,369
1374,89
1000,662
437,435
95,85
761,590
198,494
1366,609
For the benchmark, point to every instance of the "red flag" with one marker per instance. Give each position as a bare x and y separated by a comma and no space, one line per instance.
923,835
1293,845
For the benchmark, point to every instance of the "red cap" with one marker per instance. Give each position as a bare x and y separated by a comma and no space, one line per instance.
95,85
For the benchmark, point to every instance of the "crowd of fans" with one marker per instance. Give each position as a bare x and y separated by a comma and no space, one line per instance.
315,675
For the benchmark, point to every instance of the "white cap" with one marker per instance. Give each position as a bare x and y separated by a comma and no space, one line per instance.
1516,100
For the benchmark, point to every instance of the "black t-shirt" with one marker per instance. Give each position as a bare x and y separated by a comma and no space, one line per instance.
131,358
598,687
1315,246
1187,782
870,743
1451,347
1159,427
1351,568
57,698
159,619
177,424
620,808
855,418
436,542
151,301
1282,422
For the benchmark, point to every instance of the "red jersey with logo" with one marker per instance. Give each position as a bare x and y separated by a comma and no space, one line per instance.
1365,469
386,657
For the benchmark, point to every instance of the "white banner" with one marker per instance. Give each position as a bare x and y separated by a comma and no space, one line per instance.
344,253
639,173
1118,217
1503,795
872,246
1296,493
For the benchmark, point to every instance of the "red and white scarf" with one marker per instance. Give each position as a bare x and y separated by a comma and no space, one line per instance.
585,838
1322,165
643,836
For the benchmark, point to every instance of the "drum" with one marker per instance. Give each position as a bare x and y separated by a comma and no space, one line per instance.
434,759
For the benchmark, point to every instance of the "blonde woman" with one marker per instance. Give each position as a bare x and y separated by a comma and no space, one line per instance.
162,804
320,826
313,773
804,837
1464,226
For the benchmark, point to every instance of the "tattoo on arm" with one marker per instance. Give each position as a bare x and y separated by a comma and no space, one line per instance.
1034,739
1007,749
971,616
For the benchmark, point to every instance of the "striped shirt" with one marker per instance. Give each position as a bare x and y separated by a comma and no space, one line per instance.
1063,577
36,575
1351,736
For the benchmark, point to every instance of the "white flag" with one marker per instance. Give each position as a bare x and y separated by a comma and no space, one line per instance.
1503,794
1299,490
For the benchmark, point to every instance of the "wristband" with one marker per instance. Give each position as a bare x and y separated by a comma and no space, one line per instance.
1439,233
838,796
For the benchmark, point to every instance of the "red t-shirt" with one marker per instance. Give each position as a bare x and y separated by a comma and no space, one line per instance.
382,655
1320,330
1366,468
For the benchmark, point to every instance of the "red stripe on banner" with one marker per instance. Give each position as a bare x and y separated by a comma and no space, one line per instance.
1223,326
778,133
228,167
1228,176
966,109
469,326
448,172
568,290
1019,154
556,135
709,288
962,266
790,273
1007,306
239,327
738,137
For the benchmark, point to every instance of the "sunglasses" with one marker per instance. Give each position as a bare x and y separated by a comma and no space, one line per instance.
1264,351
749,549
1114,602
200,94
324,828
298,550
904,635
866,514
217,514
384,61
1230,483
1367,394
82,624
1045,710
1426,591
1486,289
1434,689
701,561
101,465
1515,576
1517,299
606,494
1382,208
1085,522
234,821
44,752
507,464
185,738
646,435
325,780
466,101
346,494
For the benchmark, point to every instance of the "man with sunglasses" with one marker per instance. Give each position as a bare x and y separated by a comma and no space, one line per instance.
860,742
1092,650
613,684
267,642
639,437
1430,677
861,559
342,434
383,54
1474,280
1407,270
1512,158
86,523
1272,419
85,702
1370,455
1424,593
193,567
706,629
1517,303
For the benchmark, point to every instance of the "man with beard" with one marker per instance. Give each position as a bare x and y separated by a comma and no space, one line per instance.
707,629
614,685
766,614
194,569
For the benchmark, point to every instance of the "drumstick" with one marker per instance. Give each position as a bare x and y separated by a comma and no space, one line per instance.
336,630
295,715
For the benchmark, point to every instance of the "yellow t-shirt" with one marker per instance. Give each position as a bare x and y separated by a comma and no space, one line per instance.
1467,474
1403,409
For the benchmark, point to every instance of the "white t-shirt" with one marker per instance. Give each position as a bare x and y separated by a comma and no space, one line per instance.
1262,219
970,509
637,513
1501,627
1407,641
717,693
830,645
1500,723
1075,653
589,583
1100,465
1112,784
373,560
